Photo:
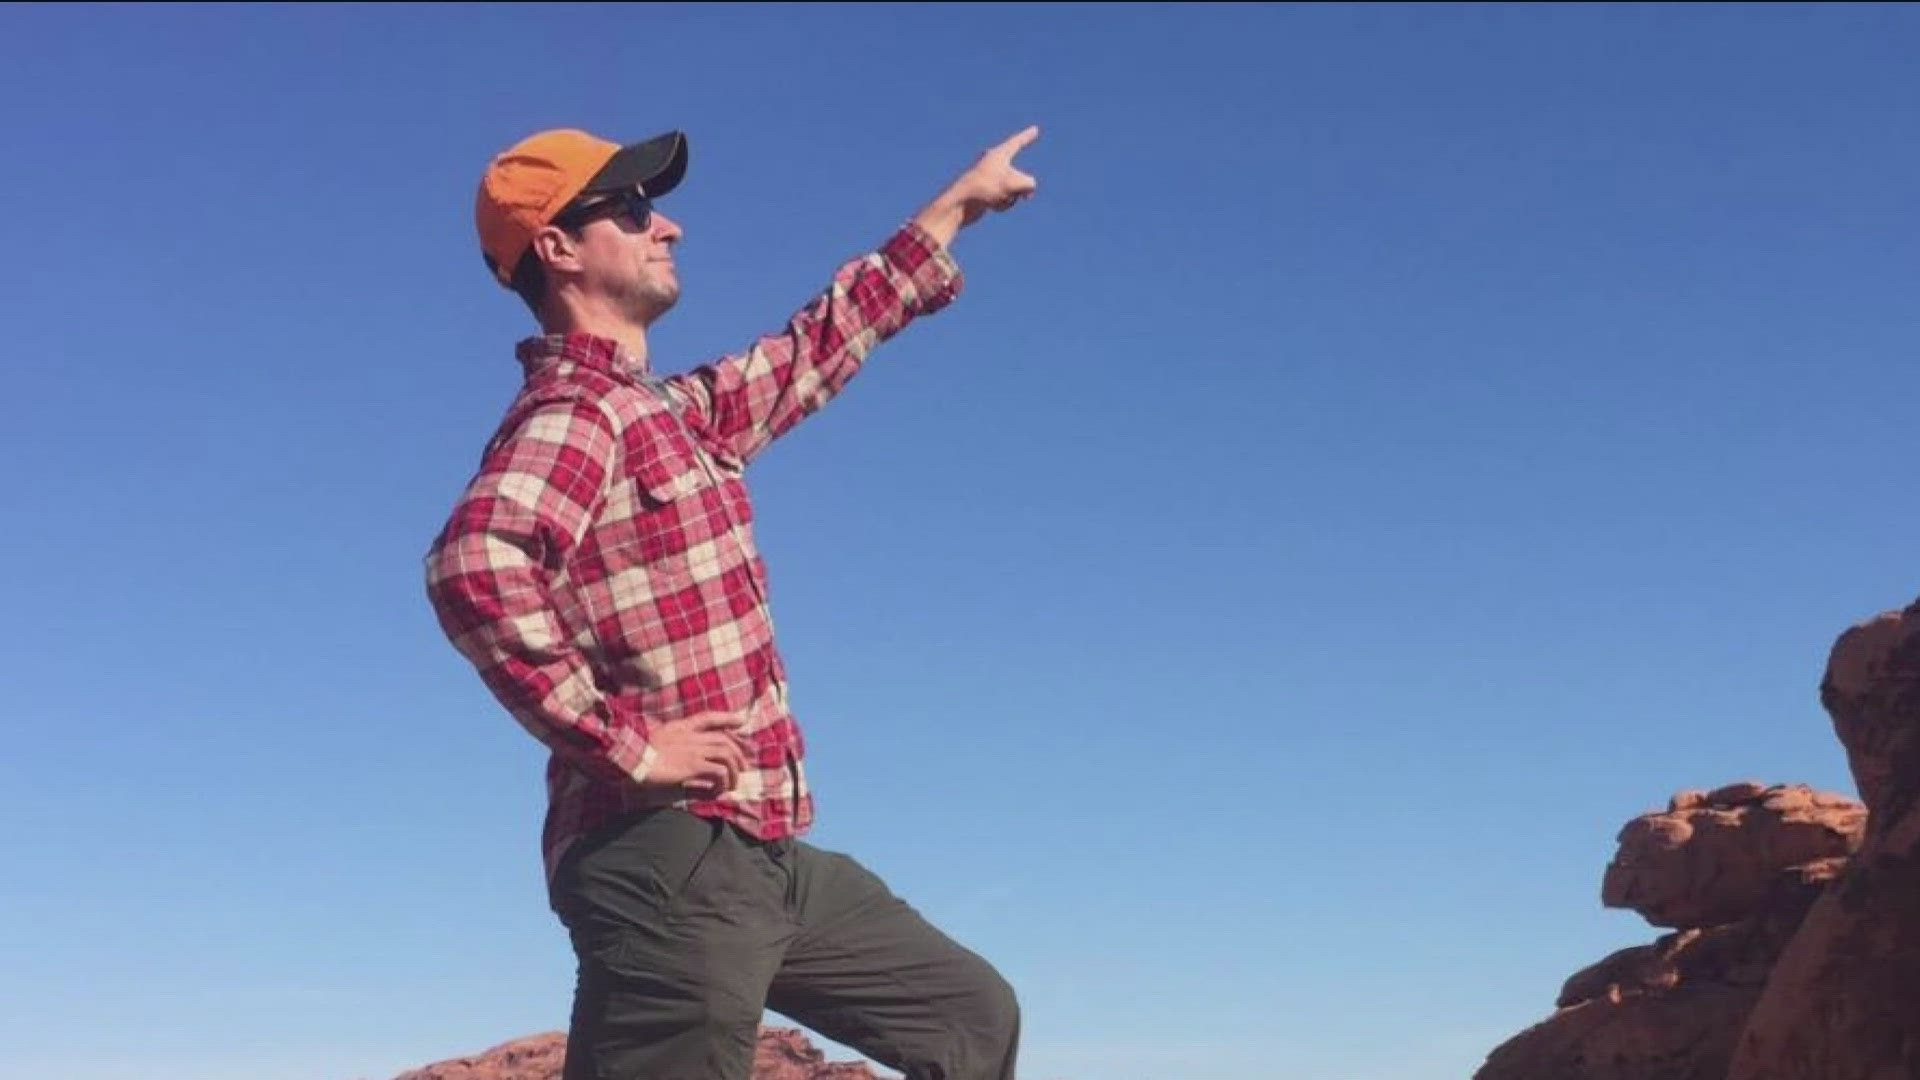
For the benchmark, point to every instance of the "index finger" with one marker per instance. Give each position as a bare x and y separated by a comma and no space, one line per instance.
712,721
1020,140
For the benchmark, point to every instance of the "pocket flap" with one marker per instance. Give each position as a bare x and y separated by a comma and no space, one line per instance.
665,480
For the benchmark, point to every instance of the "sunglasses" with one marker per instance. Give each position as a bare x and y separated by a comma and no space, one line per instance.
631,203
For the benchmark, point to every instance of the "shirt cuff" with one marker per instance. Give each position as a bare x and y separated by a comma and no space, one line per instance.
930,278
631,753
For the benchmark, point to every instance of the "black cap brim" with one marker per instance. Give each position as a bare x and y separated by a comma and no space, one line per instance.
654,166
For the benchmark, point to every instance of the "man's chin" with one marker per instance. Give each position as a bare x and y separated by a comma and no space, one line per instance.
656,304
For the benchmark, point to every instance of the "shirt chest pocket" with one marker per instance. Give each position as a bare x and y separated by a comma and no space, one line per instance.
675,513
687,506
679,471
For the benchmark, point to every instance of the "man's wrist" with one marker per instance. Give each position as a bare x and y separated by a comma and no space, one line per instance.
941,219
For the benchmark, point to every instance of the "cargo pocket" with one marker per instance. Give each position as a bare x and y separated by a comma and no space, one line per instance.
636,876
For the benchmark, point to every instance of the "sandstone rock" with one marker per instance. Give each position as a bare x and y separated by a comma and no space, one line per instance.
1844,999
1687,800
1736,794
1869,691
1841,999
1715,858
1737,868
1684,1033
785,1054
536,1057
1672,1010
782,1054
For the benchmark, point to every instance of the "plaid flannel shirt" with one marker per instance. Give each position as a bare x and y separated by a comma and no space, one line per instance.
600,569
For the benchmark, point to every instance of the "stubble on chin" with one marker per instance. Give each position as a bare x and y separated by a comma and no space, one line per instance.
661,300
648,300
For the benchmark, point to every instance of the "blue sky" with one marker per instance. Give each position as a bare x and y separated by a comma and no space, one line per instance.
1396,446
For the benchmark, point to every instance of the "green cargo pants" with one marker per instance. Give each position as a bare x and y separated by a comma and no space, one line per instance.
685,928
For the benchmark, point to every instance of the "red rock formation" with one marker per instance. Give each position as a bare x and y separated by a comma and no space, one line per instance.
785,1054
536,1057
1746,861
782,1054
1844,999
1713,857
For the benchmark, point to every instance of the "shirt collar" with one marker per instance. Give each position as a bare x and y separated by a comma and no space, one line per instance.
586,350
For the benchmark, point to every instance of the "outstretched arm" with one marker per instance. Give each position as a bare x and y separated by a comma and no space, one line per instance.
743,402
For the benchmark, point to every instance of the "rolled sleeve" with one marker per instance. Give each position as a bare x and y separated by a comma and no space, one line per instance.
930,278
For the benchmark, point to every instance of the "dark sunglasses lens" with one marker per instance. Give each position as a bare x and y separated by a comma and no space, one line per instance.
640,209
630,203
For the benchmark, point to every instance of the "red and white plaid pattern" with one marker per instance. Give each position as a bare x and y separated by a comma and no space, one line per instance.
600,570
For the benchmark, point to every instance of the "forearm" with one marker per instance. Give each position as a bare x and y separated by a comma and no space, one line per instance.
750,398
490,573
500,618
745,401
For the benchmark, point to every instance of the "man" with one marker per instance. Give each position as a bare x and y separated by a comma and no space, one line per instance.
601,573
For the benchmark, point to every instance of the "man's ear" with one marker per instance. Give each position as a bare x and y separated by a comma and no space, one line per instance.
557,249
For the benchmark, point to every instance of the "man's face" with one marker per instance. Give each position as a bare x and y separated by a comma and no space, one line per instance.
629,264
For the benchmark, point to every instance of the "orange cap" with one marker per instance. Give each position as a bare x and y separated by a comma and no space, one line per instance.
534,179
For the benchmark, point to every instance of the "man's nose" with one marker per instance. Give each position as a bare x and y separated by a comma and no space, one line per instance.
665,229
